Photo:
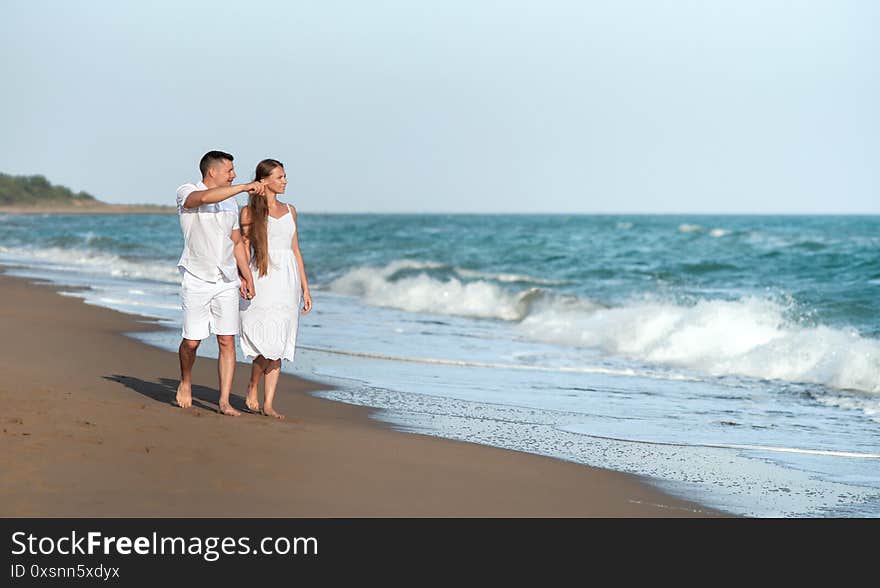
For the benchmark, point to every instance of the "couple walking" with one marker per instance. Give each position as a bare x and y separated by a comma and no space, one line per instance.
241,273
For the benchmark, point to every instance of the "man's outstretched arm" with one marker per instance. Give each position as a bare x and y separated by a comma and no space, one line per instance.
212,195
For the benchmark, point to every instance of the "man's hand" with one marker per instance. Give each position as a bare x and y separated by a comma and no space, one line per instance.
256,188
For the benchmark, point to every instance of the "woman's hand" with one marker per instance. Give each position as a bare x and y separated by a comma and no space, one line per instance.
307,302
246,289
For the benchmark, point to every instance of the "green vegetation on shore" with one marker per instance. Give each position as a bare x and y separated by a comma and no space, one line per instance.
37,190
35,194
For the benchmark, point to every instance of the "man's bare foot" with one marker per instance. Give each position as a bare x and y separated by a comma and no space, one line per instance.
184,396
269,411
228,410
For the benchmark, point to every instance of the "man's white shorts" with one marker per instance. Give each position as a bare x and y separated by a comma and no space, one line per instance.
208,307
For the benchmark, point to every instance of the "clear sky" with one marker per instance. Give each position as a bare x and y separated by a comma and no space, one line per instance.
742,106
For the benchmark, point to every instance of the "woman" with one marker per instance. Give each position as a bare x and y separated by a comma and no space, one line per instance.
270,319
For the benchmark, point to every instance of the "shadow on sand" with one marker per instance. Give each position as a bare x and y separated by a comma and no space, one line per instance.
165,390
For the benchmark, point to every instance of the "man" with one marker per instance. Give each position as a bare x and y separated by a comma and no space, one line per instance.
213,256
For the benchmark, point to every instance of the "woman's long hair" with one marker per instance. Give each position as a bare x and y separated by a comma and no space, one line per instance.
259,233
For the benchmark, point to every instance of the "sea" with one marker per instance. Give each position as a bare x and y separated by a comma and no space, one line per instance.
730,360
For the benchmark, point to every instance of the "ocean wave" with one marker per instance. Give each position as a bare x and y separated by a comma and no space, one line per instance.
807,243
810,245
434,287
686,228
410,265
868,404
748,337
508,278
95,262
753,336
424,293
706,267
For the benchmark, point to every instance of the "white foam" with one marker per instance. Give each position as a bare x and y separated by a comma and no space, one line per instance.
771,448
747,337
409,264
114,301
422,293
685,228
79,260
719,232
868,404
505,277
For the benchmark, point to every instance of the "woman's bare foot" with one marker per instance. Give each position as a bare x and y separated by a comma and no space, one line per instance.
269,411
252,401
228,410
184,396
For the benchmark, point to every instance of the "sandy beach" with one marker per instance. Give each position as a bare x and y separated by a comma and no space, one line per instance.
89,431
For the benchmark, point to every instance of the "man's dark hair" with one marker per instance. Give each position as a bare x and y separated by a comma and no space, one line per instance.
212,158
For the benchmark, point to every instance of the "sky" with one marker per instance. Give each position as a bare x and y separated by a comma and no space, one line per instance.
745,106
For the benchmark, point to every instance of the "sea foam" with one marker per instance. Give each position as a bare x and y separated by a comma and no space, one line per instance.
750,337
423,293
92,261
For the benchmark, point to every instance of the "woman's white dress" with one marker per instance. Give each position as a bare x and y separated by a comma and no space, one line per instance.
270,319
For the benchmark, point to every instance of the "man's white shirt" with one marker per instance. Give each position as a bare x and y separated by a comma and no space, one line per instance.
208,247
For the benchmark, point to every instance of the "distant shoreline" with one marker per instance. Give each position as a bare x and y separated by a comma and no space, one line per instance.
90,209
